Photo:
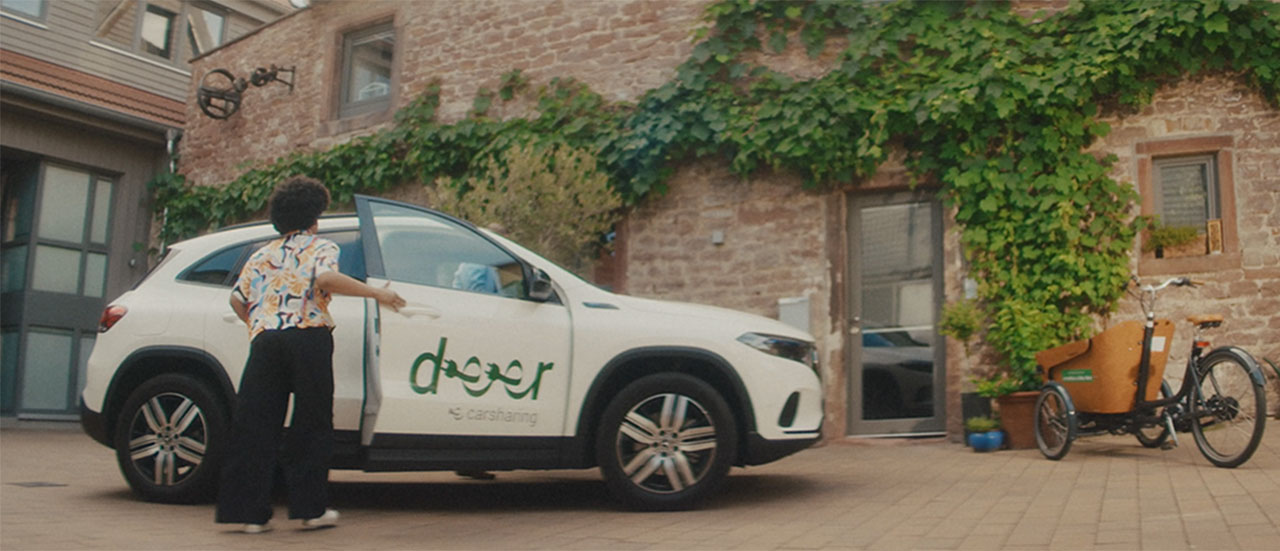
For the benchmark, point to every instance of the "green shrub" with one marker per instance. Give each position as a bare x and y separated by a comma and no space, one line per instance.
981,424
1165,237
962,320
552,199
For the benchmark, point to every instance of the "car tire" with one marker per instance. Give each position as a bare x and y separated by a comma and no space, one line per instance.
666,442
169,438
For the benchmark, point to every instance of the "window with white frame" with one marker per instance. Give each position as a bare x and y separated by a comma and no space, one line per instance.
366,70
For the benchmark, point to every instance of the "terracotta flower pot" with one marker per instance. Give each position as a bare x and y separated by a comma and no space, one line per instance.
1017,416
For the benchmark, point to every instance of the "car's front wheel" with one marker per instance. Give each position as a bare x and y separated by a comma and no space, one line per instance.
666,442
168,439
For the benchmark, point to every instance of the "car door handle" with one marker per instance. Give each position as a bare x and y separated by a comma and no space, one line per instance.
419,311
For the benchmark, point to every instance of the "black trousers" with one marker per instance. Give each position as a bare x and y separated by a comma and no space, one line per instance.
297,361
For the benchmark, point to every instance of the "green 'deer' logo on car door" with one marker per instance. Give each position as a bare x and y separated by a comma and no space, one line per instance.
477,377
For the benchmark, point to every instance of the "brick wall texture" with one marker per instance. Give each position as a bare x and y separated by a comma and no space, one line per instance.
1247,292
715,238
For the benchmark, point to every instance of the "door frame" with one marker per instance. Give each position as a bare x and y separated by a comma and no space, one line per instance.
916,426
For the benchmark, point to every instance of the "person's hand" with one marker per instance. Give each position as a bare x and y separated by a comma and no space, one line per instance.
391,299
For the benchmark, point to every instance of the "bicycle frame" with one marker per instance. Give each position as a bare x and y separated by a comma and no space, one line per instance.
1191,378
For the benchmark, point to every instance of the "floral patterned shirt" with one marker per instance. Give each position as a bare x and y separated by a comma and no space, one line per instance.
278,283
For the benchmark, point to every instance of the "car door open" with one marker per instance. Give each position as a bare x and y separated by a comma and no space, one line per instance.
470,354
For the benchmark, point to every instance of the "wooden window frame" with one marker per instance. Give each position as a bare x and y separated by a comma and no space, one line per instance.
334,120
347,107
1220,148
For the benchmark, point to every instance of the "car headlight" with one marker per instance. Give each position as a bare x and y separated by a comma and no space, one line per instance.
783,347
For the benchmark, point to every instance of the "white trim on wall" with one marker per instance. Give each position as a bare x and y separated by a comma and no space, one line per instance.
132,55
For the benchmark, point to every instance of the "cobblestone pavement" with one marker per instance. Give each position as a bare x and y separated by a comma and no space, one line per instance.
60,490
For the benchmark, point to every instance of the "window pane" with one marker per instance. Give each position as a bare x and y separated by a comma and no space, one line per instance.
421,248
33,8
216,268
101,212
47,370
57,270
1184,195
19,197
369,66
897,310
14,260
157,31
350,253
63,204
204,30
95,274
8,369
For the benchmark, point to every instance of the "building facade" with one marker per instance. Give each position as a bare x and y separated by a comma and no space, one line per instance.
92,103
865,268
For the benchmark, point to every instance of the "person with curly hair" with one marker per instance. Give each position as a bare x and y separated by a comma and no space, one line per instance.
283,295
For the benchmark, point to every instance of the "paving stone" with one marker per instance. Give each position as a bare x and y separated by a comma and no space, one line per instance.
61,490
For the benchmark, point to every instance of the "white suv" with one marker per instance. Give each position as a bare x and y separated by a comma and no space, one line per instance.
500,361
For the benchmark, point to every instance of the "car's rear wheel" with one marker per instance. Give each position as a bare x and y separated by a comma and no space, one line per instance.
666,442
169,438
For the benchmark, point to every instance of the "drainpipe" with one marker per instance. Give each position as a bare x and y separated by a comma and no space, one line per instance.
171,137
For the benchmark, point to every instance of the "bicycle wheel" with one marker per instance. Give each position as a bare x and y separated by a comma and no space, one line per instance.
1055,421
1153,437
1229,410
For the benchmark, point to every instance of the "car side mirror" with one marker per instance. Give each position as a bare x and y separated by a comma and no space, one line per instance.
540,288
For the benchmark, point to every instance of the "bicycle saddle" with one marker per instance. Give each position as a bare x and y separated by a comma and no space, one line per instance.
1208,320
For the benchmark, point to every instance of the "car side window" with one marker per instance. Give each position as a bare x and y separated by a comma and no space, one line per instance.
219,268
351,253
223,267
425,249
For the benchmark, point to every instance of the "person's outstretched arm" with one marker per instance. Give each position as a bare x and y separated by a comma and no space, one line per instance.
342,284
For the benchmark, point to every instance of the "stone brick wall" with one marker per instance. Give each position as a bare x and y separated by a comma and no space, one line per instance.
744,244
778,240
620,48
1247,292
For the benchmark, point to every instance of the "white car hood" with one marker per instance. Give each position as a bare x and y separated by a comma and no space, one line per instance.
724,316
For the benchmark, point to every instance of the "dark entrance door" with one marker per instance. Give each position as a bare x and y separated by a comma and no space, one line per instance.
896,379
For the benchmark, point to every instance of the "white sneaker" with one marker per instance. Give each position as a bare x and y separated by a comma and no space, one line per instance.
327,520
256,528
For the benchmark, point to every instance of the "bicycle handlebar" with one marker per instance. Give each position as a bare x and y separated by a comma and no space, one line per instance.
1178,281
1148,299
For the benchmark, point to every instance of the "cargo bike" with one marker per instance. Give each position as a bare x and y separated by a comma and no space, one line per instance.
1114,383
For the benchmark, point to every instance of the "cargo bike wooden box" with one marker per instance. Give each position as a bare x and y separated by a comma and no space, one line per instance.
1114,383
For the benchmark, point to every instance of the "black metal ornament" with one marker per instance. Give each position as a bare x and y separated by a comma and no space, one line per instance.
220,92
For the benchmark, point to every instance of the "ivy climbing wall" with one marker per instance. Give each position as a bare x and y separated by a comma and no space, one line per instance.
736,138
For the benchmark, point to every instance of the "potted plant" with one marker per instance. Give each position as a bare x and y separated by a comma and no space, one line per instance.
962,320
1019,329
1015,392
983,434
1174,241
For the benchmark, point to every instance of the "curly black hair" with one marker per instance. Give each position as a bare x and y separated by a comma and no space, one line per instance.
297,203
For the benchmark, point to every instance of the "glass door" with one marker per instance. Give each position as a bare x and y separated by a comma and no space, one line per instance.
896,378
54,266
